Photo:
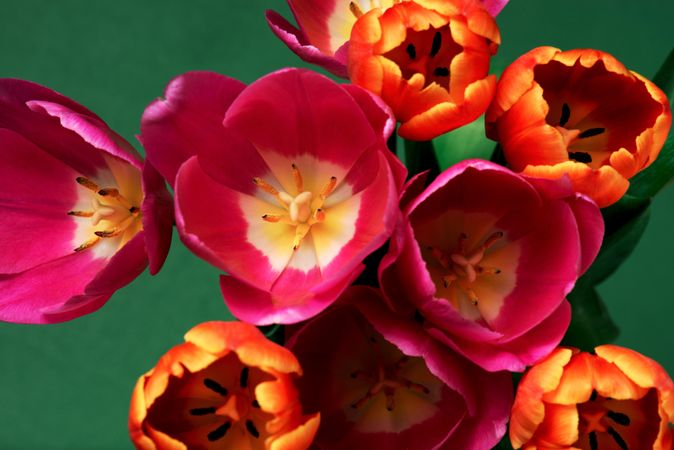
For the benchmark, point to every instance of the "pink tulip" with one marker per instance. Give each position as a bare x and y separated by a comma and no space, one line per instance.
487,257
286,184
81,215
324,27
380,382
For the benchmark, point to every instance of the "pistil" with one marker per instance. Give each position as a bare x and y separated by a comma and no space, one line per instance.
386,380
464,267
302,210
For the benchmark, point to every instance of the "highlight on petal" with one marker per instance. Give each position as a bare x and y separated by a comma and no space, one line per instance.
488,280
378,381
75,208
615,398
227,386
302,191
581,114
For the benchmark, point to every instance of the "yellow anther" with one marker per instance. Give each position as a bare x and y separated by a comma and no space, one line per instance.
90,243
81,213
355,9
87,183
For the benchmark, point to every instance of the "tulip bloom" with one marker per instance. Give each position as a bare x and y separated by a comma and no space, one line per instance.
428,60
227,386
581,114
614,399
286,184
81,216
325,28
487,257
379,382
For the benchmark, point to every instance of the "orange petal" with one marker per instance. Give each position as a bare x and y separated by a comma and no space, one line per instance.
560,427
300,438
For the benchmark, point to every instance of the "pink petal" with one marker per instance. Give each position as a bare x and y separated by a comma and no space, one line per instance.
260,307
297,42
158,218
303,113
187,120
590,229
494,7
26,296
36,193
93,130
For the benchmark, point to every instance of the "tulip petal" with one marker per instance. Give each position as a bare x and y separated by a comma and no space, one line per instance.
158,217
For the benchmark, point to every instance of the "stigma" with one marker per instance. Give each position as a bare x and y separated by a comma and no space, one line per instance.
303,210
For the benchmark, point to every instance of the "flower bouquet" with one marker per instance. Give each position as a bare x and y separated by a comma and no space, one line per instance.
411,254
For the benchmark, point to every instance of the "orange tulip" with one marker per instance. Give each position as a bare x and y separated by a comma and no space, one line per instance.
614,399
428,60
226,387
578,113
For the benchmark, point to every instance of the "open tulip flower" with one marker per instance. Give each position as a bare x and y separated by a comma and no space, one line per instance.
226,387
428,60
81,216
487,257
289,187
614,399
379,382
581,114
325,28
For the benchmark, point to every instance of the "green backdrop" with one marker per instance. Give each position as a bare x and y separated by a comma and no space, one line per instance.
67,386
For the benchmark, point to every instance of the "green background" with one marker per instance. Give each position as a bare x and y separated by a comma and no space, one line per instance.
68,385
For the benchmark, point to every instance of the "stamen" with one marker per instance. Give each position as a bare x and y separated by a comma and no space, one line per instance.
488,270
114,193
591,132
437,42
202,411
215,387
581,157
275,218
250,426
592,437
472,296
255,404
491,240
299,183
90,243
411,51
566,114
243,379
329,188
416,387
390,400
85,182
619,418
618,439
355,9
219,432
108,233
269,189
81,213
300,232
441,72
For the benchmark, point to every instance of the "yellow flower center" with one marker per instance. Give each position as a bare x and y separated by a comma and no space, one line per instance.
111,213
302,210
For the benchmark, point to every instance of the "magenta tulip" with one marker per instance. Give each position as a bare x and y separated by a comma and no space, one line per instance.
487,257
379,381
81,216
286,184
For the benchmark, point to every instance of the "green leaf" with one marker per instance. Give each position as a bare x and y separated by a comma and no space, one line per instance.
653,178
466,142
664,78
625,224
275,333
591,324
420,156
504,444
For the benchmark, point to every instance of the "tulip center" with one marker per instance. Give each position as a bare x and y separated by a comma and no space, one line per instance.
111,213
463,267
216,405
605,423
302,210
427,52
584,144
385,379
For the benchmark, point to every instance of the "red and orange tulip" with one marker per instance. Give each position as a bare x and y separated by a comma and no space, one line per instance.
614,399
428,60
579,113
227,386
